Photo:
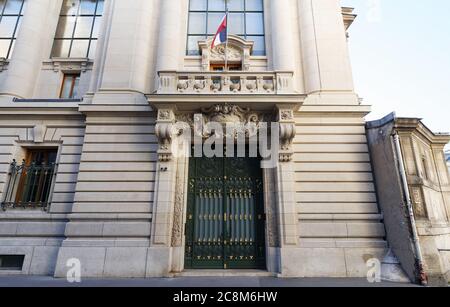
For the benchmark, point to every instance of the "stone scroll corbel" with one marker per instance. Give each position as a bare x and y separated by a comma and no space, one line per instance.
165,131
287,134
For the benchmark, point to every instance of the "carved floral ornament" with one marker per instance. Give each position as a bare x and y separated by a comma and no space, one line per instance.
170,126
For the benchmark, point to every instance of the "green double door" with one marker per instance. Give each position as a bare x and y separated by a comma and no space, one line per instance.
225,214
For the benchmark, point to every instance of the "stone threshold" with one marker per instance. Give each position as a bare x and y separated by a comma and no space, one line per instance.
224,273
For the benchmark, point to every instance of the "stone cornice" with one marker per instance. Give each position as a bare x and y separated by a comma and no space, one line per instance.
416,126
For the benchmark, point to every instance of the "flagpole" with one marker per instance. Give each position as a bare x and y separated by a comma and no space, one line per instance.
226,43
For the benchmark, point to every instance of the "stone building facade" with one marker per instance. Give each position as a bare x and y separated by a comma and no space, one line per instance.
90,93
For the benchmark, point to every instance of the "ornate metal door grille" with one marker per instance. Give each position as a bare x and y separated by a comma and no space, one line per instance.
225,214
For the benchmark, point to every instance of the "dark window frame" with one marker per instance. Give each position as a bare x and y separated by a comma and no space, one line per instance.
207,30
12,39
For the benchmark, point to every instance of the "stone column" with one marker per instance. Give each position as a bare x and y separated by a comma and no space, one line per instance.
31,43
282,42
324,46
169,48
128,52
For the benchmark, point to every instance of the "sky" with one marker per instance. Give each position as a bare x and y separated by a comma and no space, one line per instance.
400,54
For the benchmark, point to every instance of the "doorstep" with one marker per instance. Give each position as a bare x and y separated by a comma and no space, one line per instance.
224,273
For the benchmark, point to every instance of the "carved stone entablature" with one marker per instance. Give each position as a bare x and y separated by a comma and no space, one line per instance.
3,64
67,65
287,134
165,131
238,52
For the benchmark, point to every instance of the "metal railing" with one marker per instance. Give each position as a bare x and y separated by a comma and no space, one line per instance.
29,186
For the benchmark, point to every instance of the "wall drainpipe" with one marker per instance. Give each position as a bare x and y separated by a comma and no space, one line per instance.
418,250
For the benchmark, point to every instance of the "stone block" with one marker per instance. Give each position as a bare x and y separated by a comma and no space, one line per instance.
129,262
158,262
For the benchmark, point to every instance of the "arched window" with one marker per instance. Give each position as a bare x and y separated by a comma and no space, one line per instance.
246,19
11,13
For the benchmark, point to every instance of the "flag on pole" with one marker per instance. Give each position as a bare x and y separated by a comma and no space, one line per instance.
222,33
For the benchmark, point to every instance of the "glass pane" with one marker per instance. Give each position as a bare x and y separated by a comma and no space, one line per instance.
79,49
87,7
236,5
66,87
237,23
193,44
197,23
61,48
214,20
96,30
7,26
76,85
198,5
83,27
260,45
2,4
216,5
92,49
100,6
65,27
254,5
18,26
255,23
4,46
70,7
13,7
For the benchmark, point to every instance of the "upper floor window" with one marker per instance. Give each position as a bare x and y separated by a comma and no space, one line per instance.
78,28
246,19
11,13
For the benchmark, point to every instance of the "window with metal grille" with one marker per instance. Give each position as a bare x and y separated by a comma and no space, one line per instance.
30,182
11,13
246,19
78,28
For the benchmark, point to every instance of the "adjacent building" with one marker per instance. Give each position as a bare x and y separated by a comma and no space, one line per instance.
91,94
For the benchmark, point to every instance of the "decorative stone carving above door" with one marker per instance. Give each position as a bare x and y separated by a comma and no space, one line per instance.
239,51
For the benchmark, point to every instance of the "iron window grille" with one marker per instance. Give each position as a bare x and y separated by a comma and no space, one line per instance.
29,185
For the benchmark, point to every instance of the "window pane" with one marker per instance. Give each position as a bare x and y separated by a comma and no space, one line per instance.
259,48
13,7
216,5
7,26
198,5
214,20
197,23
236,5
65,27
87,7
79,49
100,6
193,44
254,5
255,23
66,87
75,87
19,23
4,46
92,49
96,30
237,23
2,4
70,7
83,27
61,48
